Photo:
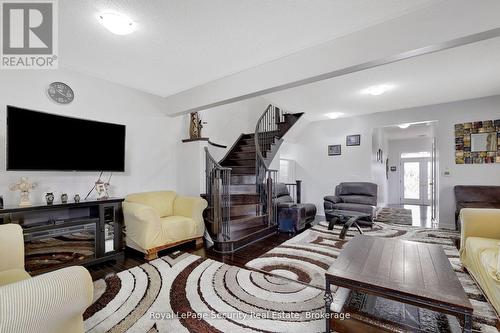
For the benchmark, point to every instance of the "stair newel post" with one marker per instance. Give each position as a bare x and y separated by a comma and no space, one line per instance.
226,183
216,203
270,210
298,190
218,188
277,115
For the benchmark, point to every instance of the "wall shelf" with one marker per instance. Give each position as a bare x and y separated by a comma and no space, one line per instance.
205,139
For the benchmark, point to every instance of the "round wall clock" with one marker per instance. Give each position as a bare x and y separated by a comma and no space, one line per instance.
60,93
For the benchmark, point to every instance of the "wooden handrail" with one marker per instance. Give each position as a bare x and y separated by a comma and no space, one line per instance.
212,159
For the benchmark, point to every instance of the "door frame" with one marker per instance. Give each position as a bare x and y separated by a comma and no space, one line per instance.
424,163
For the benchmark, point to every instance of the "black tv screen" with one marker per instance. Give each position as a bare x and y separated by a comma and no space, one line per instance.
47,142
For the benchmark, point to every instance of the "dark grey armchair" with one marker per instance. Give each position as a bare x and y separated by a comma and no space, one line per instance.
298,214
354,196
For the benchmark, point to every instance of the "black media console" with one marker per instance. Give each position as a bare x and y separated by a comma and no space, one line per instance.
61,235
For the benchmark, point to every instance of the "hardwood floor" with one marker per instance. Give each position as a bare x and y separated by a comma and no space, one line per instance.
240,258
421,215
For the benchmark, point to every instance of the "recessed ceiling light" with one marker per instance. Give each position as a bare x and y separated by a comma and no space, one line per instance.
403,126
334,115
378,89
117,23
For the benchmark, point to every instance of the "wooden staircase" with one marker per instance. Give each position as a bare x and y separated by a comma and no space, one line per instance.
243,216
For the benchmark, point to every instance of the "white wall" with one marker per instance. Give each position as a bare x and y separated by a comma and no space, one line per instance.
379,176
152,138
396,147
320,172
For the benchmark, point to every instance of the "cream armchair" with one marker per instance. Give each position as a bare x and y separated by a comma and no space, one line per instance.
50,303
479,249
155,221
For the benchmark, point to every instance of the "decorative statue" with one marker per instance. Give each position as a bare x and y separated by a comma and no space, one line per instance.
24,186
195,126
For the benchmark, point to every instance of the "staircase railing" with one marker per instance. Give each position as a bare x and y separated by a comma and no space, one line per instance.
295,190
266,131
218,195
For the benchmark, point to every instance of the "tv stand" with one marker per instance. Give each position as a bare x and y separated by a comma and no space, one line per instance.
60,235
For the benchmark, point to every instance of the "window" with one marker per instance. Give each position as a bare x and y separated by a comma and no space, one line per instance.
416,155
287,171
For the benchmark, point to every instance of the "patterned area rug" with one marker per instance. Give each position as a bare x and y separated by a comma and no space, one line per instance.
394,215
307,256
186,293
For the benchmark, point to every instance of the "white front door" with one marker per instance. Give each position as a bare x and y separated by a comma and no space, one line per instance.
415,180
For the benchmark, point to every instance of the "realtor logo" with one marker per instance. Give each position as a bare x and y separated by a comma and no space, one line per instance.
29,34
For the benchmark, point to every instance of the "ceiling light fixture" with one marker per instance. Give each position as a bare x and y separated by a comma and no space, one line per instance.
334,115
117,23
378,89
404,126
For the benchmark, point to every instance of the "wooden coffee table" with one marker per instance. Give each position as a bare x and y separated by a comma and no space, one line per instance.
408,272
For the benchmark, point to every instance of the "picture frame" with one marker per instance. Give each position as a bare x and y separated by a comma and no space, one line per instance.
477,142
334,150
353,140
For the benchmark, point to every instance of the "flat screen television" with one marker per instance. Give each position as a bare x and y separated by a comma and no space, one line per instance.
47,142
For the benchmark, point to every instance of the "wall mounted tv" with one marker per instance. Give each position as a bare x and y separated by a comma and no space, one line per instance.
47,142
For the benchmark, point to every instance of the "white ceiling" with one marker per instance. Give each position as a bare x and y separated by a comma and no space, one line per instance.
180,44
421,130
461,73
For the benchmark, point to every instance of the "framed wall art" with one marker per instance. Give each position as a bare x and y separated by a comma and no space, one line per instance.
477,142
334,150
353,140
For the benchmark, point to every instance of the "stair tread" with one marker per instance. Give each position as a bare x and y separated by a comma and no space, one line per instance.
243,233
242,219
248,193
239,205
245,158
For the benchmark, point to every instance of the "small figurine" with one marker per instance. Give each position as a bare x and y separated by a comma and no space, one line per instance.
101,187
102,190
24,186
64,198
49,197
76,198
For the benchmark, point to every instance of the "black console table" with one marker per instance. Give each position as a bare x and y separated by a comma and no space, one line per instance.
60,235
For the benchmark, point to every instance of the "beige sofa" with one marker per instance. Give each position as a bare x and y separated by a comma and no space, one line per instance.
155,221
479,249
50,303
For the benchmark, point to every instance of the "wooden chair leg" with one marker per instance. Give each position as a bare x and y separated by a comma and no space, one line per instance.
199,242
151,256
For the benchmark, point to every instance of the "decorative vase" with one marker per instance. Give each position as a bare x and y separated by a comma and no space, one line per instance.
77,198
64,198
49,197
